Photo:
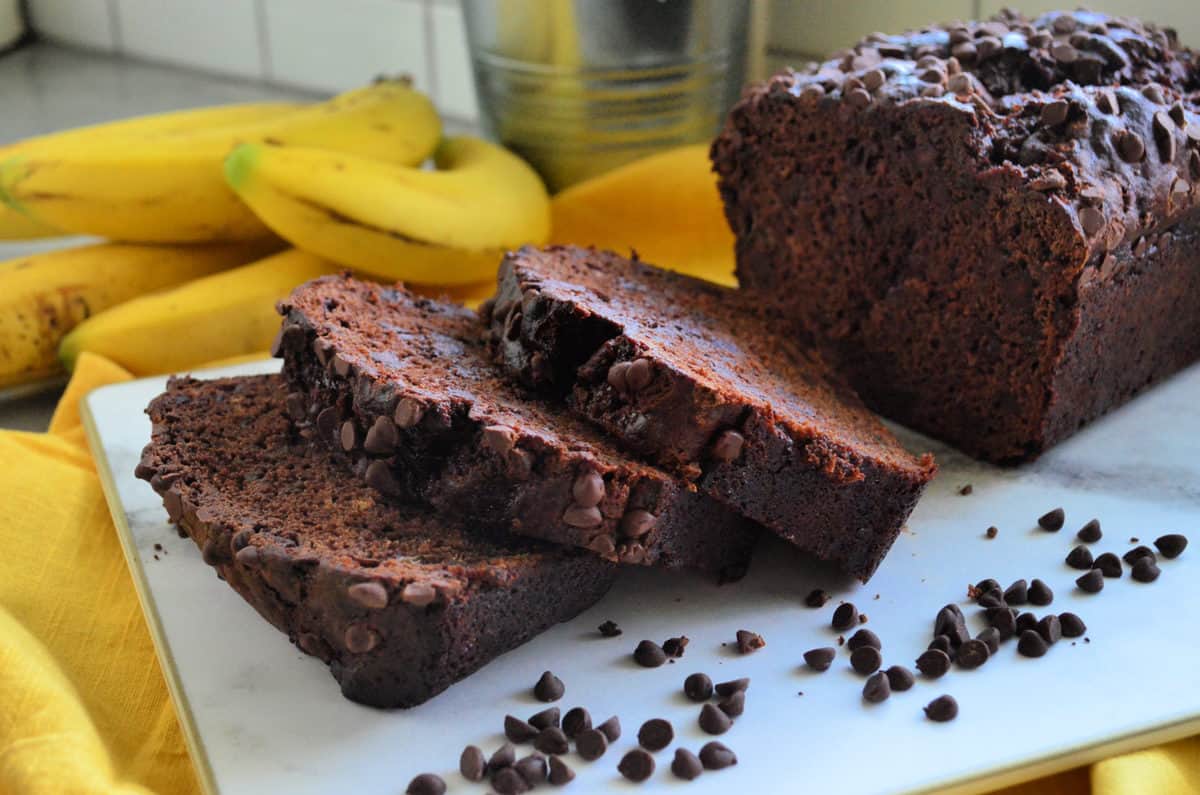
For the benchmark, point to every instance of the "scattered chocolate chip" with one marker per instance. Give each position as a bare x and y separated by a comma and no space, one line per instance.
609,629
942,709
637,523
1142,551
992,532
973,654
426,784
877,689
844,617
866,659
1004,622
686,765
504,756
1050,628
507,781
611,729
1090,533
713,720
548,688
1017,593
748,641
551,740
532,768
864,637
1145,570
1164,136
591,744
817,597
649,654
1054,112
655,734
1072,625
728,446
372,595
544,719
981,587
1108,564
942,643
993,599
717,756
472,763
727,689
698,687
966,490
900,678
1040,593
1171,545
1026,621
1129,146
990,638
517,730
575,721
1031,644
933,663
1080,558
348,435
820,659
673,647
1091,219
1052,521
637,765
560,774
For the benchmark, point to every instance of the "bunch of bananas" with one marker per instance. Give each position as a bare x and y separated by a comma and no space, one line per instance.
195,200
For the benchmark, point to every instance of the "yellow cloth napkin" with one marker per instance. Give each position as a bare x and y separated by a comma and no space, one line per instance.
83,705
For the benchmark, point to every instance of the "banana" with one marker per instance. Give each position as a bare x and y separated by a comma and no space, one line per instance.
216,317
44,296
169,188
444,227
18,226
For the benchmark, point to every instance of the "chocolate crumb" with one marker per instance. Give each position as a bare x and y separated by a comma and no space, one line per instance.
673,647
1052,521
748,641
992,532
609,629
942,709
966,490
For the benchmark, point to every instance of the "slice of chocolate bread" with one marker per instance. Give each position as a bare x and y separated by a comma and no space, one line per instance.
399,604
696,378
405,387
994,226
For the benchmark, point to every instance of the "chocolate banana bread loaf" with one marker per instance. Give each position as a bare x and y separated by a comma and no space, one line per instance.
399,604
405,388
993,226
695,377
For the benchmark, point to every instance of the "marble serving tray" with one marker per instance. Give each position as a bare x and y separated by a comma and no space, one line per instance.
262,717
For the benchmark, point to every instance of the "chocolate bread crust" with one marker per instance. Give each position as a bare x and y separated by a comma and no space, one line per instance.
399,605
404,387
695,377
989,226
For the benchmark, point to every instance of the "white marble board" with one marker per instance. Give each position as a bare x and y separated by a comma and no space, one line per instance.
262,717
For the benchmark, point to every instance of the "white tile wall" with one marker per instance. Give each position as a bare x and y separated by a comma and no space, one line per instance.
83,24
455,82
213,35
336,46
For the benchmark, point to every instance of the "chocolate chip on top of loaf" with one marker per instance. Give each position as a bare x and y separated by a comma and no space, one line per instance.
992,225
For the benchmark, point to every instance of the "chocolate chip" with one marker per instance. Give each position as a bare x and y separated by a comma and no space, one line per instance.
1106,101
1164,136
728,446
588,489
735,705
673,647
698,687
1050,628
532,768
611,729
820,659
858,98
591,744
1055,112
507,781
517,730
583,517
1031,644
1171,545
618,376
1040,593
990,638
864,637
1017,593
639,375
877,688
717,756
942,709
609,629
900,678
1090,533
942,643
1048,181
1064,53
1052,521
873,79
649,654
551,740
686,765
348,435
960,84
472,764
655,734
1108,564
296,406
382,437
1004,621
545,719
950,622
1080,558
378,476
992,532
1072,626
933,663
844,617
504,756
637,523
980,588
426,784
1129,146
817,597
408,413
727,689
359,638
993,599
560,774
637,765
1141,551
1145,570
575,721
973,654
1091,219
713,720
